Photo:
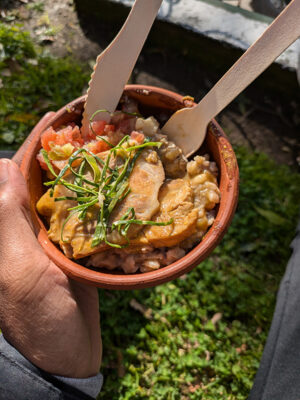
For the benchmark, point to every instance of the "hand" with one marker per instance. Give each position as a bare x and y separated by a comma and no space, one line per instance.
52,320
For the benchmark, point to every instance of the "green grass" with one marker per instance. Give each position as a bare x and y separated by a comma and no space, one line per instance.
176,351
33,83
173,348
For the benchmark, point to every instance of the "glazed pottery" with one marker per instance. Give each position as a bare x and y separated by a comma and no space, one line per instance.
157,102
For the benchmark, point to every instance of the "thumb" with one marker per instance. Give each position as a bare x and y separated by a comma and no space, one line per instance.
13,190
18,243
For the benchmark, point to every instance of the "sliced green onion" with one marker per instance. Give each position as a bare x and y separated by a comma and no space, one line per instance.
117,197
93,164
47,161
120,177
81,207
84,199
79,176
110,184
141,222
104,140
145,144
97,112
126,137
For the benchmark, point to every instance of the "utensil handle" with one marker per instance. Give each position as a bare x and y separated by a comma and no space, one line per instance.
117,61
283,31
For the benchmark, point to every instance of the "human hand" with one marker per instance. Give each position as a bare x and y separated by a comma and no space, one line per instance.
52,320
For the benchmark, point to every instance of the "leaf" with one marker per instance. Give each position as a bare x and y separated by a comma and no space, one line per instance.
236,370
95,167
271,216
209,326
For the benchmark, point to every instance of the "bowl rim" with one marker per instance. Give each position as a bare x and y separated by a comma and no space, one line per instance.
148,279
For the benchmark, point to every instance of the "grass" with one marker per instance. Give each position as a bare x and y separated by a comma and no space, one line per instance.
200,336
33,83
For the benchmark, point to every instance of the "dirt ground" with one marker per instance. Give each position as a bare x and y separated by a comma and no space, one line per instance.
259,125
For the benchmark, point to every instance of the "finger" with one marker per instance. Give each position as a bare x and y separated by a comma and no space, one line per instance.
88,302
13,191
42,124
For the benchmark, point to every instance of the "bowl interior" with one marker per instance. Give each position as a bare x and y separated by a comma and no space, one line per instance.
161,104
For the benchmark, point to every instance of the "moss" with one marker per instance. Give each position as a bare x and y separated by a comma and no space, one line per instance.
177,350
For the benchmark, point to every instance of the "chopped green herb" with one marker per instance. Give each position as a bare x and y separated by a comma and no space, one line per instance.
105,190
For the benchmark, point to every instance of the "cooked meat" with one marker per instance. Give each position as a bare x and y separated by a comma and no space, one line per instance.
163,187
57,210
144,182
176,202
46,205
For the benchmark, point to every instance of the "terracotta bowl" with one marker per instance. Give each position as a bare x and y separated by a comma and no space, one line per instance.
152,101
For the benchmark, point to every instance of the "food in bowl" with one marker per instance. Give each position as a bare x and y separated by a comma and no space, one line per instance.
121,196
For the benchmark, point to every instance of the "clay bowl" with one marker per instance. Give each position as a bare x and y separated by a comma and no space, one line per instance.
152,101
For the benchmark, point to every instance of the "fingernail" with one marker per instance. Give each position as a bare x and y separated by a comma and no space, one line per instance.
4,165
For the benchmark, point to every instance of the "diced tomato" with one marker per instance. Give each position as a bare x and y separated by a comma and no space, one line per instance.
98,127
77,138
115,137
64,136
109,128
58,165
70,134
98,146
137,136
48,137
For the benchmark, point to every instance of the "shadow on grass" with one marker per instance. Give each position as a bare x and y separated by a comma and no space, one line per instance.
9,4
